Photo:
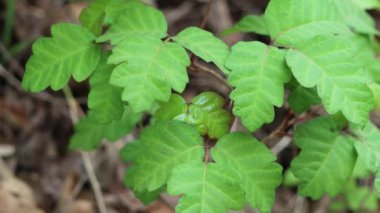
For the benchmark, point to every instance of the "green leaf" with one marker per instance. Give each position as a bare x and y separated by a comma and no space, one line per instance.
375,88
148,69
207,188
366,56
148,197
355,17
169,110
70,51
132,151
248,24
114,8
138,20
92,17
258,174
204,45
300,98
368,4
368,145
89,133
289,179
328,63
166,144
258,74
291,21
360,170
104,99
360,198
327,158
207,114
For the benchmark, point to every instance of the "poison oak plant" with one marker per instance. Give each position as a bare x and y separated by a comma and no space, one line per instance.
322,52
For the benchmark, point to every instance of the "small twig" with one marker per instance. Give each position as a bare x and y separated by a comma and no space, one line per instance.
281,145
75,111
14,82
206,15
286,123
199,67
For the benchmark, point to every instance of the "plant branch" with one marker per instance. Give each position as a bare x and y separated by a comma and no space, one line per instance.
286,123
198,67
206,15
75,112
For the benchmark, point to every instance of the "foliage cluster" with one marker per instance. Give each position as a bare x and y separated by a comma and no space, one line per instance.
321,53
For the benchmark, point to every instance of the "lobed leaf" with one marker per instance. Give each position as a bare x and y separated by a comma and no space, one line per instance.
327,158
292,21
148,69
368,146
166,144
92,17
204,45
104,99
70,51
258,74
207,188
258,175
328,63
138,20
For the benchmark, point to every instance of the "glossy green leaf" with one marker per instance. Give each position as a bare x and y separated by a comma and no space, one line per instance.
258,75
89,133
148,69
207,114
327,158
207,188
92,17
166,144
328,63
258,174
70,51
169,110
248,24
104,99
291,21
204,45
138,20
